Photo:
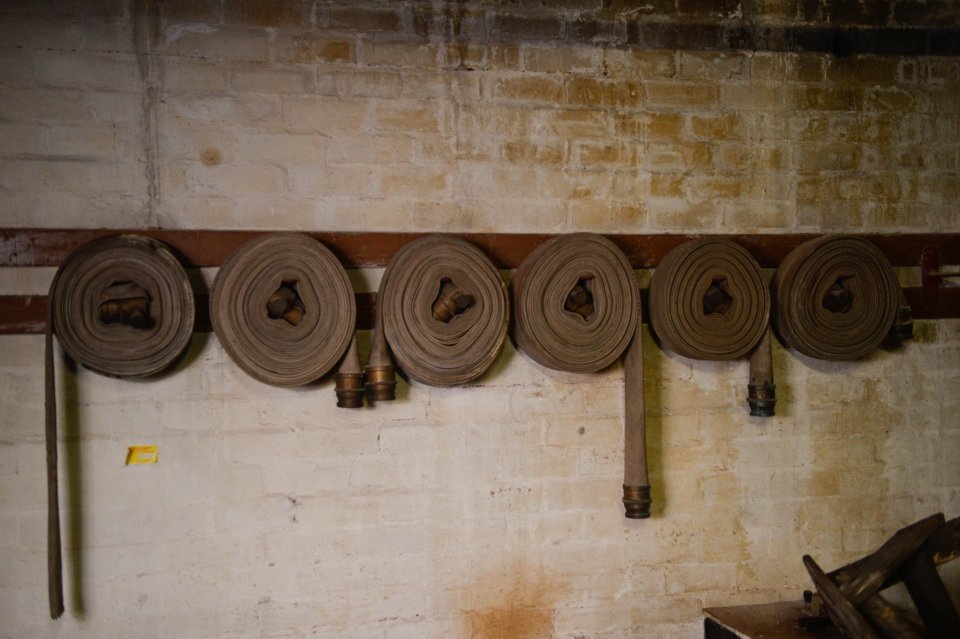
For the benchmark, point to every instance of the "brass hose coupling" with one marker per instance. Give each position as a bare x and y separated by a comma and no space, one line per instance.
636,501
350,389
381,383
762,399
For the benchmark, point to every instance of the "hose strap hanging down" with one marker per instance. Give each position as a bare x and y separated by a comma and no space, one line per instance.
284,309
708,300
576,308
121,306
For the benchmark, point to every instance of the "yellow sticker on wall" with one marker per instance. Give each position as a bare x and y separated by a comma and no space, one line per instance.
142,455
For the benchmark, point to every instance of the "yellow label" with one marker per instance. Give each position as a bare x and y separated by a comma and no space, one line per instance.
142,455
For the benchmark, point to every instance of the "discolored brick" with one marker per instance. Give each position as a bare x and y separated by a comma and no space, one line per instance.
890,99
675,36
813,68
588,30
395,53
543,154
639,63
754,96
714,187
409,182
828,99
765,216
629,7
718,127
560,59
306,48
663,156
675,94
708,9
828,157
519,29
943,71
667,185
773,66
208,11
532,88
405,117
672,214
869,70
594,156
585,91
265,79
322,114
369,84
712,66
858,13
605,215
361,19
926,13
266,13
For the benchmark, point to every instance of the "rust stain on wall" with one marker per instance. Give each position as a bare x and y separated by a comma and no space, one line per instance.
211,157
520,606
511,622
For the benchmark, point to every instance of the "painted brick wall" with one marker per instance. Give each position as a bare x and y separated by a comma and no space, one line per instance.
493,510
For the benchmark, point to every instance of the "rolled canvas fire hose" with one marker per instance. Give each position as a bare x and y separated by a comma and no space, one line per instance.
283,308
708,300
577,308
443,311
837,298
121,306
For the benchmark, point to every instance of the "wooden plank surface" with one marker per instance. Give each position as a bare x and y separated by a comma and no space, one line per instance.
779,620
23,314
49,247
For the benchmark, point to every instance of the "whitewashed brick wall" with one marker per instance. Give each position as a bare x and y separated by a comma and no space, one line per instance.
490,510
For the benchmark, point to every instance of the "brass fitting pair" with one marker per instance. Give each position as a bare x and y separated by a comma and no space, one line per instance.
378,382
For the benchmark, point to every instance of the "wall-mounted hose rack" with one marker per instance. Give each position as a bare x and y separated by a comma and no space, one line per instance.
32,247
566,287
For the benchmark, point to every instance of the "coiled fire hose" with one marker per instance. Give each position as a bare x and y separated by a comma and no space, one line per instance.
708,300
577,308
120,306
837,298
443,311
283,308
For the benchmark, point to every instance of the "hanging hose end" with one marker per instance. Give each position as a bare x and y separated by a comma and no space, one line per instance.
636,502
902,328
381,384
350,389
762,399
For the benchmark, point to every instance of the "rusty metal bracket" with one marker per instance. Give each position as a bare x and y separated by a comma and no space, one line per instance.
932,275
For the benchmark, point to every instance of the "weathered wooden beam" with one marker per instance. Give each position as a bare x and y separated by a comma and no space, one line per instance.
942,546
889,620
843,613
930,597
49,247
878,567
945,545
